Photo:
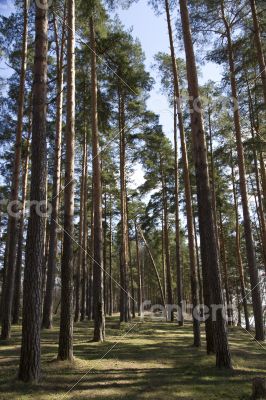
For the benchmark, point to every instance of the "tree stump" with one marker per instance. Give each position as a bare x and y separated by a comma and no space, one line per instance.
259,389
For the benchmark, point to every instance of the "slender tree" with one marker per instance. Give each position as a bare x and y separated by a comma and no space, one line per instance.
53,245
12,220
65,349
251,257
98,301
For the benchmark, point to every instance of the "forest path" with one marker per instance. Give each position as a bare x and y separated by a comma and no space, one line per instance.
150,360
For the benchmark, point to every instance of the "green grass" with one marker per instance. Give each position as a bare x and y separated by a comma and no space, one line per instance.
154,361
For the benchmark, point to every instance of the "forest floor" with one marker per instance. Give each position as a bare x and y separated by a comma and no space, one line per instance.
154,360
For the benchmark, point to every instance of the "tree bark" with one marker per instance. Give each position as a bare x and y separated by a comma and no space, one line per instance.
251,257
169,290
47,320
65,349
12,220
238,252
191,239
179,271
85,241
140,289
98,301
225,271
258,44
30,357
17,287
110,292
124,295
209,251
81,249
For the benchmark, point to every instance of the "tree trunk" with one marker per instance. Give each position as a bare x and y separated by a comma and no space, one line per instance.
209,251
238,252
105,296
166,241
52,257
85,241
258,44
251,257
140,289
30,358
179,271
65,349
17,287
90,277
81,249
124,295
12,220
191,239
98,301
110,292
225,271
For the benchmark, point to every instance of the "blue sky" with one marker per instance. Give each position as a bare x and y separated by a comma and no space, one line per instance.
151,30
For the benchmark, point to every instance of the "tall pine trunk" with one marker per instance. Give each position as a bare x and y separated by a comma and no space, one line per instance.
140,289
179,271
65,348
124,295
250,250
30,358
260,54
53,251
85,240
238,252
98,301
169,290
209,251
17,287
191,239
110,291
12,220
81,249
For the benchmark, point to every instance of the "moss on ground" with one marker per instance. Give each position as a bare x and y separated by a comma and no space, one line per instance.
152,361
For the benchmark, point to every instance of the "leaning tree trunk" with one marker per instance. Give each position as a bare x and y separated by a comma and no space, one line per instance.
17,287
209,251
98,301
12,219
65,349
250,250
30,358
47,320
